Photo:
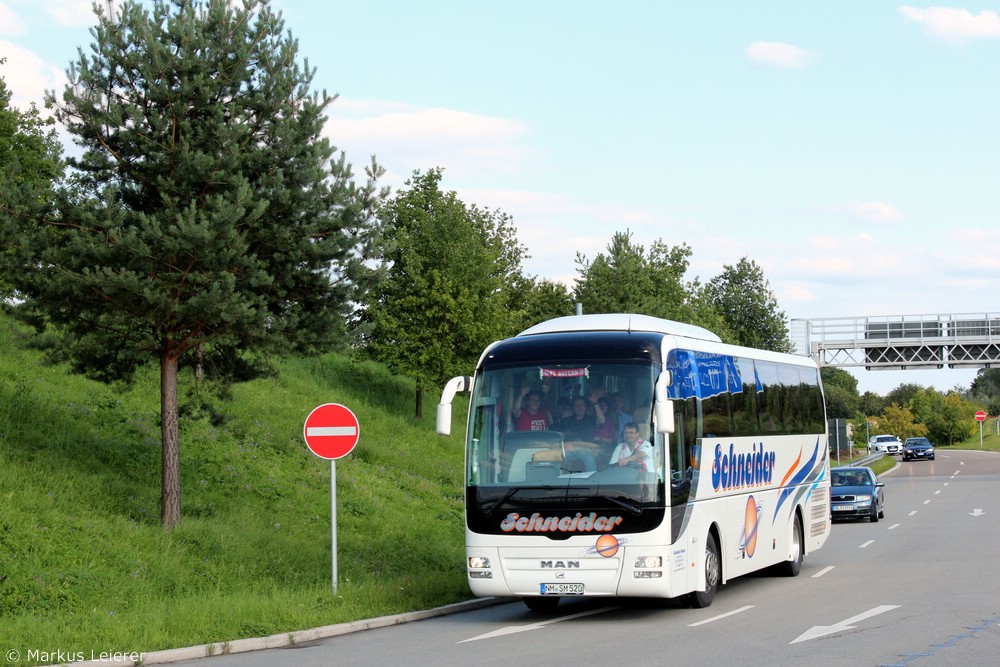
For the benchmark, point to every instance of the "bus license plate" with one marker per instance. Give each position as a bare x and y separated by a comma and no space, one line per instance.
562,589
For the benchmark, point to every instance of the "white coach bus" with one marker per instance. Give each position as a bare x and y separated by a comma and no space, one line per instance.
731,476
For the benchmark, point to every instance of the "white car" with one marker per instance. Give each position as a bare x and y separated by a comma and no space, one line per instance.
887,444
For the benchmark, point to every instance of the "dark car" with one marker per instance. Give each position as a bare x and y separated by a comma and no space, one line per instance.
918,448
856,493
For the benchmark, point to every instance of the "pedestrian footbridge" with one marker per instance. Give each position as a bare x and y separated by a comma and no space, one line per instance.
898,342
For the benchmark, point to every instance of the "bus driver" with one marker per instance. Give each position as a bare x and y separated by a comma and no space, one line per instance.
634,451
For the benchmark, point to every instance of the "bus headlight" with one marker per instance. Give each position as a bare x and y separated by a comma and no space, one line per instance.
646,562
479,568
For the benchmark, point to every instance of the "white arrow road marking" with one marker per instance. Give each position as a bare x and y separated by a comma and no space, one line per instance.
977,512
514,629
720,616
818,631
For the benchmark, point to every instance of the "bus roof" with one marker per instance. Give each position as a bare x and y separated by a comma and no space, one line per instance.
620,322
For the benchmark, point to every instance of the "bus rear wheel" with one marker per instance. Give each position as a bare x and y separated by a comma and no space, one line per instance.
541,604
713,573
794,566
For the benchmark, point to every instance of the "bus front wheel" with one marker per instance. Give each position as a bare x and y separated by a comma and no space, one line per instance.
713,573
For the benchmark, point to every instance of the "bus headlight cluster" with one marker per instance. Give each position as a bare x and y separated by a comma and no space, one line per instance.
645,567
479,567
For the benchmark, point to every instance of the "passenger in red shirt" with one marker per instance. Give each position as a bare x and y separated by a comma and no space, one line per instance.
528,413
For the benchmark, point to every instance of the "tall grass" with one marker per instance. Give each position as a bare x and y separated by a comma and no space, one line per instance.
85,566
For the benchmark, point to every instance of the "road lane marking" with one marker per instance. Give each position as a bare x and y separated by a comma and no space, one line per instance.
818,631
977,512
514,629
868,543
823,571
894,526
913,512
937,492
721,616
927,502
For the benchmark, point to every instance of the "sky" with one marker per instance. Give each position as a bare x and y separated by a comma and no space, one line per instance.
851,149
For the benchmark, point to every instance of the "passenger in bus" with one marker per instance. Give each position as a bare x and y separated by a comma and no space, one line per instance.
621,415
564,408
528,413
633,451
582,424
605,435
578,430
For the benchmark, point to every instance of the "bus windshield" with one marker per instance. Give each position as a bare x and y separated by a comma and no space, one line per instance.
580,426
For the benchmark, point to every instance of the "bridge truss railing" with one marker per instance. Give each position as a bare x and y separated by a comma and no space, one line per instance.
892,342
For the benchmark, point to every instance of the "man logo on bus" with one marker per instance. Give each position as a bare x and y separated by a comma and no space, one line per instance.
751,522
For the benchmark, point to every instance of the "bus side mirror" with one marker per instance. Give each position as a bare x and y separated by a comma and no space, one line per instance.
444,419
455,385
663,407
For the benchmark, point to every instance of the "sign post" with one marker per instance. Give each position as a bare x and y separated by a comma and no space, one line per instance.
331,431
980,417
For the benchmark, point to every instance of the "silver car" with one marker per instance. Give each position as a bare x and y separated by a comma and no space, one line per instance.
887,444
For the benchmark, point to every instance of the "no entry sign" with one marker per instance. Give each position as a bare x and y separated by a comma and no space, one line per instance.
331,431
980,416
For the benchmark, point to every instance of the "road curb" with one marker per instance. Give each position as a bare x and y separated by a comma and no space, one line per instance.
296,637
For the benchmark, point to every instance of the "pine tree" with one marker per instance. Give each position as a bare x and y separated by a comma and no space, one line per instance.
206,213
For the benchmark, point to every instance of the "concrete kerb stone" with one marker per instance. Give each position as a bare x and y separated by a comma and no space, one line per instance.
298,636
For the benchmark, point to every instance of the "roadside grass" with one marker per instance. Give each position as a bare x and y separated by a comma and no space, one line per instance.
990,443
85,566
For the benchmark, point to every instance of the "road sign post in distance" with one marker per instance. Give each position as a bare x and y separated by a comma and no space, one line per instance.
331,431
980,417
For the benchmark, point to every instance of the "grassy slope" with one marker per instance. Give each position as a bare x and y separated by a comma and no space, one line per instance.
84,565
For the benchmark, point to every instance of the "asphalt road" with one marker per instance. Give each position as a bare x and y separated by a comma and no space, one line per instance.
921,587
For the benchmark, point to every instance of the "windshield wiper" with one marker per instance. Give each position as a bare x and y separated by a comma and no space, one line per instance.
630,506
504,498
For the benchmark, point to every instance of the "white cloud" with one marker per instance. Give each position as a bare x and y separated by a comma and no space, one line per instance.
405,138
954,25
11,24
68,13
28,76
777,54
874,211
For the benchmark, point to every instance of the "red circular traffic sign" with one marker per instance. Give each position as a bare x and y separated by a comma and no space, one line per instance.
331,431
980,416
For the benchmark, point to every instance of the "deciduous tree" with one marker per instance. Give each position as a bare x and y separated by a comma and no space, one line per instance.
30,167
628,279
539,300
743,296
448,293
